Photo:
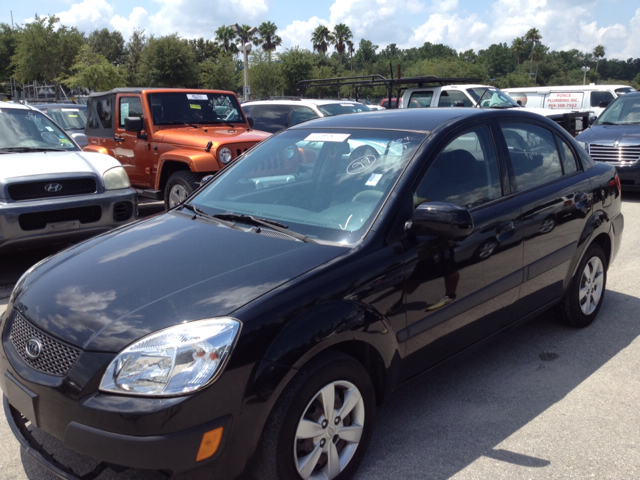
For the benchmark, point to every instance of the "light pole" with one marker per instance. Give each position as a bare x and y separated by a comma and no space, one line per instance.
585,69
246,48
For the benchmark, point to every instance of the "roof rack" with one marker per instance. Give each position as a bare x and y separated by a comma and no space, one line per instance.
380,81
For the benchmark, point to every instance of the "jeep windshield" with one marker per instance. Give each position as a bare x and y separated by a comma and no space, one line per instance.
491,97
182,108
623,110
327,185
31,131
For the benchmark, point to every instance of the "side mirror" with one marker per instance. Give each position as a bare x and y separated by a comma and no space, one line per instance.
250,120
133,124
459,103
81,139
592,119
206,179
440,220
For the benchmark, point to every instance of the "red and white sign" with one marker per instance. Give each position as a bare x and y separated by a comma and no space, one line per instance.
564,100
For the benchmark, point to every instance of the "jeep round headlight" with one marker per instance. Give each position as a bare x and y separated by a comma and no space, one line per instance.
225,155
173,361
116,178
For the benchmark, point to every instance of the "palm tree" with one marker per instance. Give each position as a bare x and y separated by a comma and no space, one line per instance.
341,35
517,47
533,36
351,49
226,37
321,38
598,54
537,54
268,38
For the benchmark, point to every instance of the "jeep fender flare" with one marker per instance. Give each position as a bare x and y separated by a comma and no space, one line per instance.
197,162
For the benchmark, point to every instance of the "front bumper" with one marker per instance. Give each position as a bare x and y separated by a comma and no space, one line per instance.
33,223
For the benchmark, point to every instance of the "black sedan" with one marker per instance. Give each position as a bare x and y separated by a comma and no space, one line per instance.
255,327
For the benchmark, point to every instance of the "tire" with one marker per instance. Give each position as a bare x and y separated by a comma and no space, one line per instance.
584,298
180,185
333,376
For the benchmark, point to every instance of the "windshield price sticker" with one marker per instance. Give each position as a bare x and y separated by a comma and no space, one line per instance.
373,179
327,137
70,110
197,96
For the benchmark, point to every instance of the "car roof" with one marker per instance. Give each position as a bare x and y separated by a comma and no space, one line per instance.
157,89
15,106
555,88
301,101
60,105
414,119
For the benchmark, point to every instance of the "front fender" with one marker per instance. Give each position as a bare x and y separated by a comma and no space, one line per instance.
95,149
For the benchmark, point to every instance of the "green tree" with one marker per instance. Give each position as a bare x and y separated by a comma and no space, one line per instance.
45,51
321,38
219,73
497,59
7,49
538,53
341,35
225,36
296,64
350,49
532,36
598,54
518,47
264,76
108,44
204,49
366,55
133,57
94,72
267,38
168,62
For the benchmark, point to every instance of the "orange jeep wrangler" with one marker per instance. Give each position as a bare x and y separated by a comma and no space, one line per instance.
167,139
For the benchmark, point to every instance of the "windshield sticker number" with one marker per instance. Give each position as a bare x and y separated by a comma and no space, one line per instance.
373,179
197,96
361,164
327,137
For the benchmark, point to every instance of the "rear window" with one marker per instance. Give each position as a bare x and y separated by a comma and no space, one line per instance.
342,108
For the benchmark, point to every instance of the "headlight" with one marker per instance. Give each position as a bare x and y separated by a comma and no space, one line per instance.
116,178
225,155
173,361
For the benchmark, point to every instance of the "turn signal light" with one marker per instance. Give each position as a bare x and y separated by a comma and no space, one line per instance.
209,444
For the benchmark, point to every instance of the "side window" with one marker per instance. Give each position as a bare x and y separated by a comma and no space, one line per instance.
92,120
301,114
449,98
129,107
534,155
420,99
601,97
270,118
569,164
105,114
465,172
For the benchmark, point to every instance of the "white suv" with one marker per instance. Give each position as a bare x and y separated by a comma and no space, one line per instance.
275,115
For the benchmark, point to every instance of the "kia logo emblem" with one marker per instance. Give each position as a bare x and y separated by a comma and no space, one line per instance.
33,348
53,187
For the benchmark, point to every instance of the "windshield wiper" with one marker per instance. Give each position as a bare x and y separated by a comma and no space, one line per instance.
178,123
201,213
31,149
263,222
608,123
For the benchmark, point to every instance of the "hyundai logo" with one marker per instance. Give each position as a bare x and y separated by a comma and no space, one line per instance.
53,187
33,348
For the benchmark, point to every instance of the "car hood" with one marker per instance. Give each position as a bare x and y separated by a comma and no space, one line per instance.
108,292
199,137
609,134
47,164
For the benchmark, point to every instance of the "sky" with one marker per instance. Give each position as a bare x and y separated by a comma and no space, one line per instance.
460,24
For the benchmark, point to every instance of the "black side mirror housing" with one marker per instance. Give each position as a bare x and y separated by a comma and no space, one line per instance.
440,220
133,124
250,120
592,119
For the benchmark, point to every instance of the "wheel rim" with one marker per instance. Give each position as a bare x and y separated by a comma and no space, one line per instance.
329,431
177,194
591,285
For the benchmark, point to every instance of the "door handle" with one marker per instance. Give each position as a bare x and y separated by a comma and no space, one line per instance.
505,227
581,200
119,139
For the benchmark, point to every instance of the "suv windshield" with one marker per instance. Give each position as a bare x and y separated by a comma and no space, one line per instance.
24,130
325,184
70,117
491,97
331,109
173,108
623,110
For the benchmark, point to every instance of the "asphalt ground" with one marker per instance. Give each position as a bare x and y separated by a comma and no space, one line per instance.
542,401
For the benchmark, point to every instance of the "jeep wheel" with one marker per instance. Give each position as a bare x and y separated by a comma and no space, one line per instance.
181,184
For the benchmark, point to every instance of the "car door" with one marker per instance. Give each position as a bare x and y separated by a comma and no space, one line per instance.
554,197
459,290
132,152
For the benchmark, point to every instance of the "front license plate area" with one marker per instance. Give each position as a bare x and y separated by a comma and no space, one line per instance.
21,398
63,226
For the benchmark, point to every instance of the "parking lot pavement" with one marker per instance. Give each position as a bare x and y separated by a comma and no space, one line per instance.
541,401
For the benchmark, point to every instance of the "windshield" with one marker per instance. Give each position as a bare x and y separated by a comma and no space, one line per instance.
326,184
174,108
23,130
331,109
623,110
491,97
69,118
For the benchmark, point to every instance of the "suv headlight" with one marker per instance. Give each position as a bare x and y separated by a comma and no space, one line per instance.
174,361
225,155
116,178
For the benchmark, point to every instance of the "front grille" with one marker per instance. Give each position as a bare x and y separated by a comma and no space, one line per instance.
55,358
39,220
52,188
622,155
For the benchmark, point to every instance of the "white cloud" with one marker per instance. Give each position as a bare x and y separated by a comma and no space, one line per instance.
441,6
461,33
87,15
299,33
138,18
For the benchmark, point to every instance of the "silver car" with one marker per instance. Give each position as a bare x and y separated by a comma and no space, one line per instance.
50,190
